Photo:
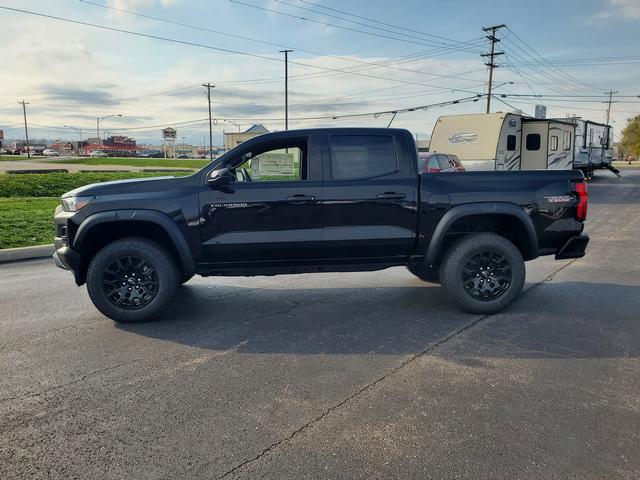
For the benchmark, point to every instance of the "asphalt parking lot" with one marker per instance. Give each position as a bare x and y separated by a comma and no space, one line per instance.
359,375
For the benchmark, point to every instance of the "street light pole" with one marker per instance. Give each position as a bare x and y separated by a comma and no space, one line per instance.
286,87
98,124
79,131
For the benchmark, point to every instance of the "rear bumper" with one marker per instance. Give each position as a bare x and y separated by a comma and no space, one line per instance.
573,248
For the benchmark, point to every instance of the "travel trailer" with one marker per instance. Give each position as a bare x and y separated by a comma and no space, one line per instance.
593,146
505,141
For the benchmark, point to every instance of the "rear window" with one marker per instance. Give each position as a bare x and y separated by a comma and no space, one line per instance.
362,156
445,162
533,141
511,143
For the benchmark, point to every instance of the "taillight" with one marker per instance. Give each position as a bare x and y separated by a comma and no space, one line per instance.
583,201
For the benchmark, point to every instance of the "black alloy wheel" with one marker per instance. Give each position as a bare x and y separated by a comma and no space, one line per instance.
486,276
130,282
482,273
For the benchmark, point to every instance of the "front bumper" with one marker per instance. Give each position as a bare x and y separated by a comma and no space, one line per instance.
573,248
65,256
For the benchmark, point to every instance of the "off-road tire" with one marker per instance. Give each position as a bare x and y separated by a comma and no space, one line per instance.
166,276
461,255
427,274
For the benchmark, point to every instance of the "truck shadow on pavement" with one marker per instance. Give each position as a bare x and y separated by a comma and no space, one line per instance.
559,320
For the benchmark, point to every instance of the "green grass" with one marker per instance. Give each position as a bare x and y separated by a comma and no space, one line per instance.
138,162
55,184
28,201
27,221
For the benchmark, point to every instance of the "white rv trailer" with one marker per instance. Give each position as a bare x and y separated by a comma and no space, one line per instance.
505,141
593,146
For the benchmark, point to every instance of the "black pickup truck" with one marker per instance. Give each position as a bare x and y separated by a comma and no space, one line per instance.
315,201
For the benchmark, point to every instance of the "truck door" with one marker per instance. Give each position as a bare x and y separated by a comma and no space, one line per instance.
271,209
534,146
370,190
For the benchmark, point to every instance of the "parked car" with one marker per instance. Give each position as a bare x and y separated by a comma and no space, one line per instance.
98,154
438,162
333,200
183,155
49,152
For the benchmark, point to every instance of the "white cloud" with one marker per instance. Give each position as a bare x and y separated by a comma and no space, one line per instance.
138,4
620,8
627,8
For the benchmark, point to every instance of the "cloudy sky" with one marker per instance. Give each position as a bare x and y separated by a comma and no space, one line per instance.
360,56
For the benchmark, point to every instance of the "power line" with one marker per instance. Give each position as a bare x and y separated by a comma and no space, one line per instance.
374,114
264,42
219,49
467,48
544,60
469,42
341,27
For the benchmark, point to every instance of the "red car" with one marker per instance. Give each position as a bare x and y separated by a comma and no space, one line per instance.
438,162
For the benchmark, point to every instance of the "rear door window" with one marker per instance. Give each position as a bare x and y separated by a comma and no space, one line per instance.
362,156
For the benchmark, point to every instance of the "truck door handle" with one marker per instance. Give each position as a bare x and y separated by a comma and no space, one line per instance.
391,195
300,198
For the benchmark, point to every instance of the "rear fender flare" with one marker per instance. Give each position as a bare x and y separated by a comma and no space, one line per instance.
482,208
161,219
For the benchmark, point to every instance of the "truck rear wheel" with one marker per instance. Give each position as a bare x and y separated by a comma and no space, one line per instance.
483,273
132,280
428,274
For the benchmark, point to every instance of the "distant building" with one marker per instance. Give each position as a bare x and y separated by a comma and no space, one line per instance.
233,139
115,146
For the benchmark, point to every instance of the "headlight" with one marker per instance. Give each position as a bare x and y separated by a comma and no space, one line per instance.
73,204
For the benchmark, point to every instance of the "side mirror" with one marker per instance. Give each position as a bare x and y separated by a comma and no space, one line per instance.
219,177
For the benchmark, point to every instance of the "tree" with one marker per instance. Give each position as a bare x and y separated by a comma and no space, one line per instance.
630,143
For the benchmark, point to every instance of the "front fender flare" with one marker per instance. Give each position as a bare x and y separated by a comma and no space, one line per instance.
161,219
481,208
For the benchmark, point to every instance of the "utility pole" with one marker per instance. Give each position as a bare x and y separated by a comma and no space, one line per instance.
209,87
492,54
611,93
26,130
286,87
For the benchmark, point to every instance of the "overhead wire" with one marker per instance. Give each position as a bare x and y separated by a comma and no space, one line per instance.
219,49
242,37
342,27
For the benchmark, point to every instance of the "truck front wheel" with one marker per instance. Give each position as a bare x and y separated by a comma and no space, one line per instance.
132,280
483,273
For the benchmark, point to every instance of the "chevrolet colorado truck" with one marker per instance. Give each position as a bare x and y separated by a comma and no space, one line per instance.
318,200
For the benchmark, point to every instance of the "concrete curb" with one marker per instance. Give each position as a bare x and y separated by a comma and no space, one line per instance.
25,253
